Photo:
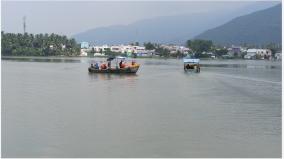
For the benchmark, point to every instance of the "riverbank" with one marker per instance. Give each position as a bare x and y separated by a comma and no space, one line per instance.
139,57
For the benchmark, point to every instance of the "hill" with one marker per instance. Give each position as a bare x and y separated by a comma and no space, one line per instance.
174,29
261,27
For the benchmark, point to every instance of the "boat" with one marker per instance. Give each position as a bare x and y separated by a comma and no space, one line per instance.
128,68
191,64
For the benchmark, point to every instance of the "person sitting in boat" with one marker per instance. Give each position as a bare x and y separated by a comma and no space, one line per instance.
92,66
96,65
103,66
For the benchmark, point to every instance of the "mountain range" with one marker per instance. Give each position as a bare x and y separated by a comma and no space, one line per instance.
261,27
177,29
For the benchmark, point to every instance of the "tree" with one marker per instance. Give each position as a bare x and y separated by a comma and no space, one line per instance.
273,47
188,43
149,46
37,45
109,52
198,46
163,52
221,52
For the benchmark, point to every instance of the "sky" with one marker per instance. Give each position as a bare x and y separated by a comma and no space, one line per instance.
71,17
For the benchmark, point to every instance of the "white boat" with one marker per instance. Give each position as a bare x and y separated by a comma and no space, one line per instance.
191,64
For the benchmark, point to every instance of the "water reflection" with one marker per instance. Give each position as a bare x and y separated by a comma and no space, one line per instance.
253,64
241,66
42,59
158,62
108,76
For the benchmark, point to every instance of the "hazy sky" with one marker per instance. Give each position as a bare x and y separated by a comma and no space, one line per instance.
71,17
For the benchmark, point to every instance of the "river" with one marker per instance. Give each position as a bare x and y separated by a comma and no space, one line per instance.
52,107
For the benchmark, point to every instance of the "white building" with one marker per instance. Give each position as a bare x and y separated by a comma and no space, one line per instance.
127,49
139,49
251,54
116,48
83,52
84,45
260,53
99,49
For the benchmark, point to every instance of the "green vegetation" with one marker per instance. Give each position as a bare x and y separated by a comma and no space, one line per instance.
274,48
200,46
134,44
221,51
38,45
149,46
108,52
163,52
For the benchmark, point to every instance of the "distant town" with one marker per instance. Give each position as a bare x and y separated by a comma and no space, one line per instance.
272,52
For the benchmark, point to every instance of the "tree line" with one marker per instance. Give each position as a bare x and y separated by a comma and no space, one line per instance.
13,44
199,46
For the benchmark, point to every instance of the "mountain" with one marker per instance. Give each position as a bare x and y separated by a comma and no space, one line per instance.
167,29
160,30
261,27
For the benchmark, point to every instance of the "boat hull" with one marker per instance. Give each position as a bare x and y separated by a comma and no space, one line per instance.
128,70
192,67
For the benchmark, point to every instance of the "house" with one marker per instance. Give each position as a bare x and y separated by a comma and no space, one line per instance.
251,54
184,50
83,52
175,48
234,51
116,48
63,46
127,49
139,49
99,49
84,45
278,56
258,54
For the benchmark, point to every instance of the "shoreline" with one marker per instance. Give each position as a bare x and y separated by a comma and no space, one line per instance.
154,57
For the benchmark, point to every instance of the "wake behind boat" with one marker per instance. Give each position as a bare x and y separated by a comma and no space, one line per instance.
121,66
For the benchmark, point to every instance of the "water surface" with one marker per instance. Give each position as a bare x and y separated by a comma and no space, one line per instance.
52,107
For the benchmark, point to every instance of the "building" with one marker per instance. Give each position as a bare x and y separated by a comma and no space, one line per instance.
139,49
251,54
84,45
235,51
116,48
278,56
100,49
258,54
127,49
83,52
175,48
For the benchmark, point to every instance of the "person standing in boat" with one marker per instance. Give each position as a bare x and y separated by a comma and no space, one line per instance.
133,62
109,64
120,64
